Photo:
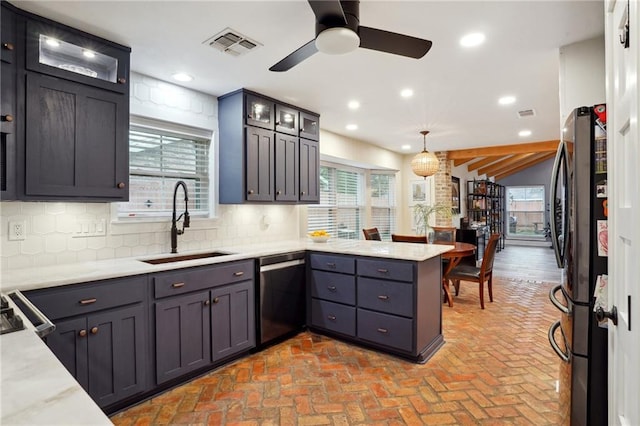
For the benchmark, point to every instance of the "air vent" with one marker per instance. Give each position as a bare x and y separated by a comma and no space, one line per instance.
526,113
232,42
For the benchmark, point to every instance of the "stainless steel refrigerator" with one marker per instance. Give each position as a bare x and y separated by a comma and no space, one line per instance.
579,235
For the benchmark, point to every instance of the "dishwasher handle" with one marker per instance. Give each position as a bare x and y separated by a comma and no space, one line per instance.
47,327
282,265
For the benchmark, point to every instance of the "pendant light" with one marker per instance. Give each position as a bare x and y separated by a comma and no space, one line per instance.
425,163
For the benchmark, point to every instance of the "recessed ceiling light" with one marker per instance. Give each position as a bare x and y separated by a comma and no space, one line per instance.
507,100
524,133
352,127
180,76
406,93
53,42
353,105
472,40
405,147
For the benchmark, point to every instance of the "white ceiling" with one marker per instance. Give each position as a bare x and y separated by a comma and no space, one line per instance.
456,89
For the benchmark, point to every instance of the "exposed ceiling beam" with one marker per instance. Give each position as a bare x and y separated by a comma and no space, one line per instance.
507,163
461,161
545,146
488,160
506,173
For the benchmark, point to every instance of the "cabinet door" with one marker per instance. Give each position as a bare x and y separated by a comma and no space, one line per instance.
309,126
116,354
260,164
182,335
76,141
7,131
286,120
286,167
7,37
232,319
69,344
260,112
309,171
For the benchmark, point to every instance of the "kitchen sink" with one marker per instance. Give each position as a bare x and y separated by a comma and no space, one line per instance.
185,257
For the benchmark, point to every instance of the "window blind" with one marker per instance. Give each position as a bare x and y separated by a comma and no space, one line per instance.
157,160
383,202
341,203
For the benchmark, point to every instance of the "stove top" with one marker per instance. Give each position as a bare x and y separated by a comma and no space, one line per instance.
9,320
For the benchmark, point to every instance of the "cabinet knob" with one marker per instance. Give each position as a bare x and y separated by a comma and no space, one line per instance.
302,193
278,192
82,333
94,330
302,130
122,80
216,300
7,117
207,302
250,192
121,185
7,46
278,123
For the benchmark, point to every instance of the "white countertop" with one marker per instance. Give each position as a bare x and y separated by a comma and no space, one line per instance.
36,388
72,273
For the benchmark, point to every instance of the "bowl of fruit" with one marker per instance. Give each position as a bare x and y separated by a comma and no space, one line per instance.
320,236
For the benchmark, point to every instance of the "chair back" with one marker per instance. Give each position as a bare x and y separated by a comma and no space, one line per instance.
489,255
372,234
444,233
409,238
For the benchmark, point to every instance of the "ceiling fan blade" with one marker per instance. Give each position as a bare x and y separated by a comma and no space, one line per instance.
328,12
398,44
295,57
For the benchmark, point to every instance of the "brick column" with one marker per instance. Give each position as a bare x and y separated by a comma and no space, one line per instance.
443,187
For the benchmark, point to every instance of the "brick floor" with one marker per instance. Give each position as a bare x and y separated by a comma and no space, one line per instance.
496,368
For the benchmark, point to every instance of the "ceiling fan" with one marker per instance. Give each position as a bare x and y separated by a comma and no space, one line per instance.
338,31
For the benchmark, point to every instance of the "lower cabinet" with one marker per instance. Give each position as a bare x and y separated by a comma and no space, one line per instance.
232,319
101,334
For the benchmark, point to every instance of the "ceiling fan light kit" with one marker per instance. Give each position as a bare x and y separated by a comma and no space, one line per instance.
337,41
426,163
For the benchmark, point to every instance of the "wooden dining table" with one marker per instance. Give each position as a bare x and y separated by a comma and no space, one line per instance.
459,251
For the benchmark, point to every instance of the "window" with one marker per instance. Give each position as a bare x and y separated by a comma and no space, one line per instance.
526,211
158,158
383,203
341,202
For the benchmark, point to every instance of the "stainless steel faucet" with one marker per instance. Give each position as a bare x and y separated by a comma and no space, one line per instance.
185,223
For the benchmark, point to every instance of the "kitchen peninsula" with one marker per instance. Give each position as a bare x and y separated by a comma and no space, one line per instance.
396,283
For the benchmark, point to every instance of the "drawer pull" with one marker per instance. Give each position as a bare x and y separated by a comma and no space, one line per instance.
238,274
216,300
331,265
383,271
331,317
94,330
82,333
332,288
383,297
383,330
88,301
177,285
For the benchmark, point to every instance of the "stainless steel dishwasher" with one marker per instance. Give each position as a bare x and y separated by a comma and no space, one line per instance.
280,305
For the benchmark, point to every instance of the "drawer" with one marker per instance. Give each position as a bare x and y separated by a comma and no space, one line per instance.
335,287
193,279
385,329
333,316
324,262
386,296
399,271
61,302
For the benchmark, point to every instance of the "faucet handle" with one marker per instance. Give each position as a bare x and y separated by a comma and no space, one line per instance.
187,220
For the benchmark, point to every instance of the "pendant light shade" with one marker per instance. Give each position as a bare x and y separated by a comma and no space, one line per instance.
425,163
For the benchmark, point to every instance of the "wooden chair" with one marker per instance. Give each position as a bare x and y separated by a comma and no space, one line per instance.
478,275
372,234
444,233
409,238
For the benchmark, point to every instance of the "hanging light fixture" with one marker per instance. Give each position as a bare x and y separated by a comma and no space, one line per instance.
425,163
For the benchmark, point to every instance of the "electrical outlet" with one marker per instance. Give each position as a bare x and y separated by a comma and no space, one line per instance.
17,230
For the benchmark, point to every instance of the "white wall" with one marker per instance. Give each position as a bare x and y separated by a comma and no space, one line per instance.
582,75
50,225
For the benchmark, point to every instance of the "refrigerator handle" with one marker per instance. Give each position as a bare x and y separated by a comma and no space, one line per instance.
555,175
566,357
556,302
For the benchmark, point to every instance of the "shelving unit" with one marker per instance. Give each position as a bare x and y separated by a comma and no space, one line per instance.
485,206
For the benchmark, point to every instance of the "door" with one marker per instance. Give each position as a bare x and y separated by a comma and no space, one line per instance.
182,335
260,164
286,168
232,319
623,95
